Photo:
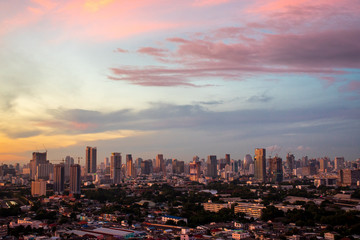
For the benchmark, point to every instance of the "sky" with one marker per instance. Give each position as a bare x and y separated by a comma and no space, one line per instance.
181,78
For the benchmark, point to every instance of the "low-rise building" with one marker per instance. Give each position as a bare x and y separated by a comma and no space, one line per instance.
215,207
240,234
250,209
176,219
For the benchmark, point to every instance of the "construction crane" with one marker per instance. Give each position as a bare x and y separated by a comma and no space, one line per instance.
45,148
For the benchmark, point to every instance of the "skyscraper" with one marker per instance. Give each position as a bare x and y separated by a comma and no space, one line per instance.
75,179
160,164
260,164
43,170
227,158
115,167
195,169
138,162
146,167
90,160
290,160
339,163
68,162
323,164
275,170
59,178
37,158
129,166
211,166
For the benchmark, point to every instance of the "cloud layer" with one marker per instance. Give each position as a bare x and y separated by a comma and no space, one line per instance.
184,76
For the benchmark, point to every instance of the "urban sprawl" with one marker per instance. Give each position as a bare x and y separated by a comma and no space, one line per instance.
257,197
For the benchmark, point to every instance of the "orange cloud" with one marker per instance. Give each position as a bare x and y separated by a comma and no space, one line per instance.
11,149
95,5
100,20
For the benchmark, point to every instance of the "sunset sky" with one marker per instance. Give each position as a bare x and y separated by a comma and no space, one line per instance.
181,78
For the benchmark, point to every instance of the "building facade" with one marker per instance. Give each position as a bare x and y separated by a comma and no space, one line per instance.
90,160
211,166
59,178
260,164
38,188
115,167
75,179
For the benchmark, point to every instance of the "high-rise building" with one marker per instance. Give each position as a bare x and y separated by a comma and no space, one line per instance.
304,161
227,158
211,166
43,170
75,179
195,169
106,161
37,158
129,166
68,162
275,170
59,178
138,162
38,188
90,161
339,163
260,164
323,164
234,165
146,167
160,164
349,177
247,161
115,167
178,166
290,160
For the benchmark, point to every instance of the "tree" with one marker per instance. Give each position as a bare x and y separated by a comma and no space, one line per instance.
270,213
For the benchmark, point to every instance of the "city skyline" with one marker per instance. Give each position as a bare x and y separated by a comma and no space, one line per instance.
202,77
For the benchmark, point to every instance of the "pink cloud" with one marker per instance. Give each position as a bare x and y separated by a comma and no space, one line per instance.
177,40
157,52
120,50
201,3
302,148
81,125
158,81
91,20
353,86
307,15
160,77
45,4
312,54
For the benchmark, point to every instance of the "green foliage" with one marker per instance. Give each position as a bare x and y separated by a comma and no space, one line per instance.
356,194
270,213
12,211
233,189
21,231
103,195
300,193
42,214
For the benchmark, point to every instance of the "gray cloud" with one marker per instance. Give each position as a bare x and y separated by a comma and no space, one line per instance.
160,116
260,98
